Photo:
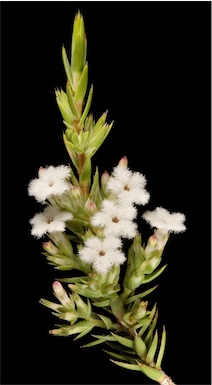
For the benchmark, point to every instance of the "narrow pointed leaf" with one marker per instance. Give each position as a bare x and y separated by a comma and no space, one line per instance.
104,338
152,350
140,346
124,341
67,66
102,303
71,100
107,321
154,374
86,172
126,366
71,153
150,277
93,343
141,295
82,86
82,334
117,307
150,317
120,356
162,349
149,335
120,348
87,108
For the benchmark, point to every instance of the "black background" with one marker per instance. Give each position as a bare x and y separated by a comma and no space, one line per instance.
149,63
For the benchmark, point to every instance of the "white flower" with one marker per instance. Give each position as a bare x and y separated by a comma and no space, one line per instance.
51,181
50,220
128,186
163,219
102,253
116,220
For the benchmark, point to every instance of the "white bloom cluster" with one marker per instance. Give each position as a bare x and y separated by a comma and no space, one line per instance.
50,220
115,218
52,181
164,220
102,253
128,186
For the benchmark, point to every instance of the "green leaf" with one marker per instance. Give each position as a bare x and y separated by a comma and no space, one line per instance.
154,275
143,322
65,267
78,46
107,321
86,172
71,100
162,349
71,153
95,194
104,338
126,366
141,295
67,66
100,122
98,143
149,335
120,356
102,303
149,320
124,341
90,344
62,101
154,374
140,346
83,333
117,307
82,86
120,348
87,107
152,350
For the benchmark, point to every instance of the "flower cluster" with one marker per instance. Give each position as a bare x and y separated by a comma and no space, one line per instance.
51,182
87,219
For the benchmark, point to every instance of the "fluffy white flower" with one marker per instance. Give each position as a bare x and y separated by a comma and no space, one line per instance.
116,220
128,186
50,220
51,181
163,219
102,253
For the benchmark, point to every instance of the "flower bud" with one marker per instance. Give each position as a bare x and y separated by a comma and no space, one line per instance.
90,207
70,316
50,248
40,171
75,191
156,243
151,264
140,311
134,280
123,162
129,319
104,178
62,296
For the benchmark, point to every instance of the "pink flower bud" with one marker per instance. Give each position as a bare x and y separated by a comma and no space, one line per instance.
50,248
91,207
104,178
62,296
57,287
123,162
40,171
75,191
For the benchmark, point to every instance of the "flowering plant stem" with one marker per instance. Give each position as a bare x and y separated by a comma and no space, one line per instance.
87,219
